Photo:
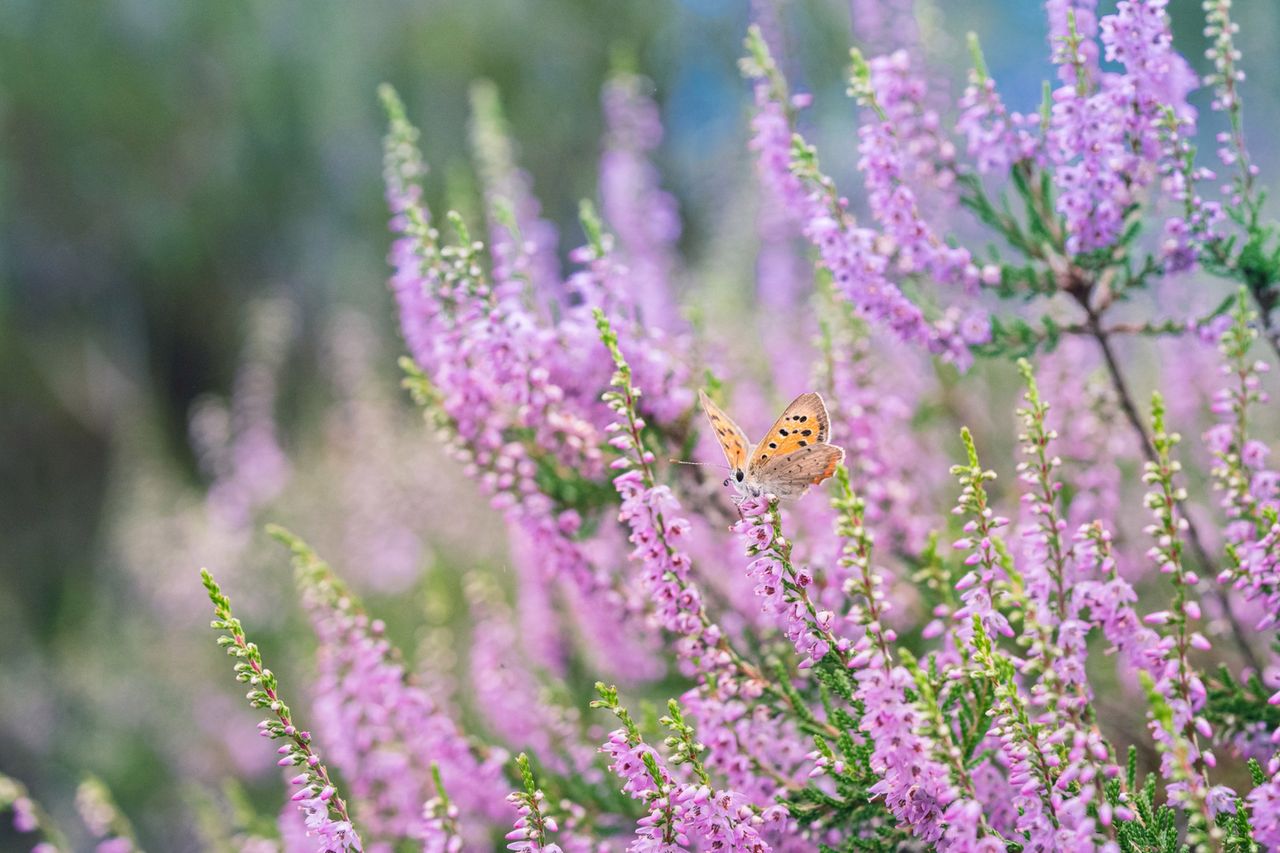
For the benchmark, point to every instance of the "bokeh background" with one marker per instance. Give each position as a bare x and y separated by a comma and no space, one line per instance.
196,335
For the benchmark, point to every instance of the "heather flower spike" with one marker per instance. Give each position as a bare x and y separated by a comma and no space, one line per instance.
29,817
317,797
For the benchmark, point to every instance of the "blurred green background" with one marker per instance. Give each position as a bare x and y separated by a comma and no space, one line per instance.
164,165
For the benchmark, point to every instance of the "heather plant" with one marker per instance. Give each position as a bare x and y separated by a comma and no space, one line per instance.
1081,656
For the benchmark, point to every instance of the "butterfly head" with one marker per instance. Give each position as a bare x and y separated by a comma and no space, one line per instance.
745,488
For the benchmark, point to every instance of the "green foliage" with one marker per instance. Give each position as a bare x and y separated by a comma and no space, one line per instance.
866,823
1234,705
1154,829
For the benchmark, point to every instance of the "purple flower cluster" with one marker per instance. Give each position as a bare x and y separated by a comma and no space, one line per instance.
1073,30
1250,488
681,815
981,586
1103,142
532,825
385,731
860,259
996,138
515,391
1264,801
914,785
324,811
783,588
643,217
724,684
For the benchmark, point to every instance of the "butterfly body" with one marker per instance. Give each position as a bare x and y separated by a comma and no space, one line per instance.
792,456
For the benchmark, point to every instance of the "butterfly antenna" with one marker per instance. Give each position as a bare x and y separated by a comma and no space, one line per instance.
707,464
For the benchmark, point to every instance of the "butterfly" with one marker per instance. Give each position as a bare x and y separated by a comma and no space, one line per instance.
792,456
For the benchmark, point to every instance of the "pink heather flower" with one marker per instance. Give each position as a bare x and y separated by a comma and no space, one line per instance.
508,192
500,371
895,154
24,815
1086,27
772,572
1139,37
771,141
383,731
1264,806
1087,146
858,258
718,701
333,836
995,138
528,826
691,813
915,787
1104,143
643,217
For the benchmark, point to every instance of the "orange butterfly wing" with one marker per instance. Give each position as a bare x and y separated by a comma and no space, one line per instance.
804,423
733,441
790,476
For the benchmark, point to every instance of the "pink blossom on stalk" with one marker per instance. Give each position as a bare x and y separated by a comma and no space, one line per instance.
720,699
1086,143
783,588
858,258
979,586
1186,232
1250,489
533,825
1175,681
899,147
511,391
996,139
1109,599
1138,36
523,242
683,813
605,282
1106,144
925,154
385,731
1264,806
323,809
498,671
1073,53
643,217
916,788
